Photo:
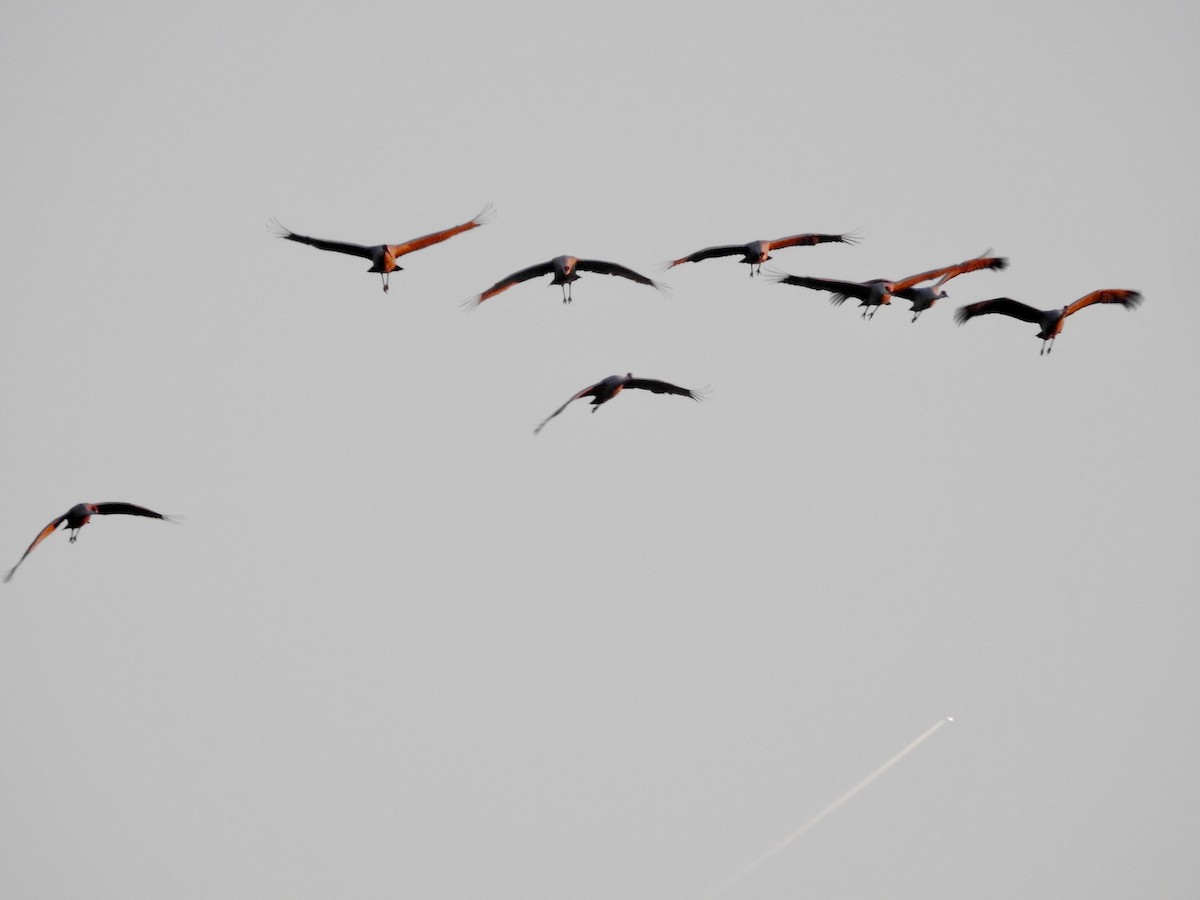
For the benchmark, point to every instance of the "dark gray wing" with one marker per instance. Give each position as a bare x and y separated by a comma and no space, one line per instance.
608,268
660,387
515,278
711,253
1005,306
840,289
126,509
336,246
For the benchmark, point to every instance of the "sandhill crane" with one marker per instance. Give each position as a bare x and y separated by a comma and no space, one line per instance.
603,391
79,515
879,291
383,256
924,297
1050,321
565,269
756,253
870,294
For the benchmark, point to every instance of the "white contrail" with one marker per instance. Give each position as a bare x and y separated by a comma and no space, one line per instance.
831,807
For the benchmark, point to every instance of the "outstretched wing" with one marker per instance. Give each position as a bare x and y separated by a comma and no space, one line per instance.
1005,306
42,535
126,509
973,265
586,392
661,387
945,273
335,246
608,268
840,289
438,236
1128,299
808,240
515,278
711,253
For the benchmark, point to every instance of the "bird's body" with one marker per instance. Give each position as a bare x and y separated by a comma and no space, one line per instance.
870,294
383,256
924,296
1048,321
565,270
879,292
756,253
78,516
604,390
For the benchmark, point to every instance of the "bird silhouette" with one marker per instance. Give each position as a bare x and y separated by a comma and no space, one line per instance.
603,391
78,516
756,253
565,269
1049,321
383,256
924,297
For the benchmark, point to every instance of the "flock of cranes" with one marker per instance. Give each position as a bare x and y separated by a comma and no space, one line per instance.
922,291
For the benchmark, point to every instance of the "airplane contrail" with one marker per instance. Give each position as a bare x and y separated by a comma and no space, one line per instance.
836,804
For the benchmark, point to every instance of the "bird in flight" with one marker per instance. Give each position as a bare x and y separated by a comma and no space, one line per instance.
870,294
603,391
565,269
756,253
924,297
1050,321
78,516
383,256
879,291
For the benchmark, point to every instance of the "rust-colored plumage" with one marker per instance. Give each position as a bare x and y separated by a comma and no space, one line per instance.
78,516
879,292
756,253
1049,321
565,270
383,256
923,298
603,391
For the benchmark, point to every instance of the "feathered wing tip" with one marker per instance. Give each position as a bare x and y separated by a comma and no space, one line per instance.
852,237
486,216
471,302
277,229
773,275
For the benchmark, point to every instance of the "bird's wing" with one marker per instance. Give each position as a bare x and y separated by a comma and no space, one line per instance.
973,265
840,289
914,280
126,509
1128,299
711,253
608,268
515,278
336,246
807,240
1006,306
439,236
587,391
660,387
945,273
42,535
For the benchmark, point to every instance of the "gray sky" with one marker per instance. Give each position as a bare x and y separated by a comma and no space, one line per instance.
402,647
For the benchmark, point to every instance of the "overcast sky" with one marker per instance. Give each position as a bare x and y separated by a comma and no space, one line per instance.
399,646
